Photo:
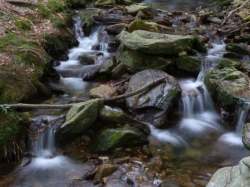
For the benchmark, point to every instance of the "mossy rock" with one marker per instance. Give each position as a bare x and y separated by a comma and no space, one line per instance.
232,55
136,61
104,3
246,135
61,22
135,8
189,64
143,25
236,48
57,45
12,136
109,139
86,60
199,44
78,119
228,87
229,63
87,23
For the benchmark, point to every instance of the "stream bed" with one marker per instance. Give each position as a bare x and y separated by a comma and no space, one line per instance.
190,151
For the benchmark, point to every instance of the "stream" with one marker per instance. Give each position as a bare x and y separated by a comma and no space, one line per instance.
191,150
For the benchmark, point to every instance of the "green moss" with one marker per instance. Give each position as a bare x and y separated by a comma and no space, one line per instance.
143,25
44,11
22,24
57,5
229,63
12,135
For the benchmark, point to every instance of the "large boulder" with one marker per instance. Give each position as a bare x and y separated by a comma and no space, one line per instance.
189,64
109,139
79,118
233,176
229,87
143,25
155,103
156,43
136,61
116,28
135,8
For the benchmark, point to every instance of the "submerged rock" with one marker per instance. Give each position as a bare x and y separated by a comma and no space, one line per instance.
79,118
228,86
109,139
234,176
159,98
156,43
189,64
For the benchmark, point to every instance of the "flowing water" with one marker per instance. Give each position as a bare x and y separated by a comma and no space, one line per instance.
190,151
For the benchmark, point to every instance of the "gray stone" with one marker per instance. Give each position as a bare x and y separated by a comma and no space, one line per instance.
156,43
103,91
235,176
189,64
159,98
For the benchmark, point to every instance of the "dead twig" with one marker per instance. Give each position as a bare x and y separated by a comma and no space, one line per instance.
234,10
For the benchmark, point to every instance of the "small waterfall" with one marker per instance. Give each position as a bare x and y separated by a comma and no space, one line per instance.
45,146
241,119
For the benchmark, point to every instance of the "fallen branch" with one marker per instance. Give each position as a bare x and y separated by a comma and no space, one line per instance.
67,106
235,10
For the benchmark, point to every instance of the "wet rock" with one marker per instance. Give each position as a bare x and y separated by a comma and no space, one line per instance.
116,28
107,67
246,136
214,20
143,25
136,61
104,3
87,23
169,183
113,118
232,55
229,63
189,64
141,15
113,46
121,160
103,91
103,171
199,44
156,43
162,21
236,48
79,118
242,38
113,19
159,98
109,139
233,176
135,8
91,72
228,86
86,60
